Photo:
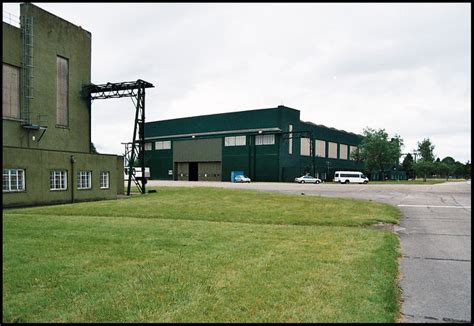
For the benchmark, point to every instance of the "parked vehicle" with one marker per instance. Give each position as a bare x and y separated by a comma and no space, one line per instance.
350,177
242,178
137,172
307,179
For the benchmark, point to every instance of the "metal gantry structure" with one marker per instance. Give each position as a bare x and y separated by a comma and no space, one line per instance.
136,149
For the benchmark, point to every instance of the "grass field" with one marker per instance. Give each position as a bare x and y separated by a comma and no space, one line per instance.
201,255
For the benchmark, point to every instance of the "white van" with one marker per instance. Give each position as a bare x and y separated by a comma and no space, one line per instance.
350,177
137,172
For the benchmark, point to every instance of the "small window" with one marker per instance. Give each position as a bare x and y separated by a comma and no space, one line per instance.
290,139
352,152
343,151
58,180
104,180
305,148
13,180
332,150
265,140
160,145
235,141
320,148
84,180
148,146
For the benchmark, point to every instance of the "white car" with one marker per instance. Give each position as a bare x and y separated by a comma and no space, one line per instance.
242,178
307,179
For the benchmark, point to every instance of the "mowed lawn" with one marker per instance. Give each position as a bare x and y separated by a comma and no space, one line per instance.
201,255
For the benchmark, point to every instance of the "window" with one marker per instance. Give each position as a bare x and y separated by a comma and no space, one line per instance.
104,180
305,149
148,146
166,144
332,150
265,140
84,180
11,92
13,180
343,151
352,151
290,139
320,148
350,175
62,91
235,141
58,180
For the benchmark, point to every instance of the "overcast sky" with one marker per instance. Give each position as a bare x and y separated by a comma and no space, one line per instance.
402,67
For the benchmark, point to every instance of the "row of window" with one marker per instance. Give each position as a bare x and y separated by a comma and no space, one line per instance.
241,140
14,180
228,141
11,91
320,149
159,145
305,148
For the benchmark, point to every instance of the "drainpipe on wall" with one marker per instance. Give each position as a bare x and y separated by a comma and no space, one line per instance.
73,160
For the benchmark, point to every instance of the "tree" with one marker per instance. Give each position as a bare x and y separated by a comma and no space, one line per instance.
378,152
407,166
426,150
459,170
443,169
450,165
448,160
467,170
93,149
424,168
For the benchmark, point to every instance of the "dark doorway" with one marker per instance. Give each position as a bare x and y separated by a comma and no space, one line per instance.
193,171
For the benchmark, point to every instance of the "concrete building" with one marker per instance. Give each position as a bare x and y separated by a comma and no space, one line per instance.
46,121
267,145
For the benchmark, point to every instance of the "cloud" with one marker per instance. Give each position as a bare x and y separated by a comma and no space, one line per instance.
404,67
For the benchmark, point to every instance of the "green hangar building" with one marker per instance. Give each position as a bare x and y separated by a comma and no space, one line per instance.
47,155
267,145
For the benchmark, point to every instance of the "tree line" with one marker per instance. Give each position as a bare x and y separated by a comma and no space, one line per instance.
381,154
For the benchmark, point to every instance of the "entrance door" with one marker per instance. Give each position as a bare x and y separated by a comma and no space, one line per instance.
210,171
193,171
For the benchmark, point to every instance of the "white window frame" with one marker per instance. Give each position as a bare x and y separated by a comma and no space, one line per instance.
162,145
104,180
58,180
19,176
235,141
265,140
84,180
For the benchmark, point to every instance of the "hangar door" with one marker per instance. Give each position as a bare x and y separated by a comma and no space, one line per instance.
198,159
